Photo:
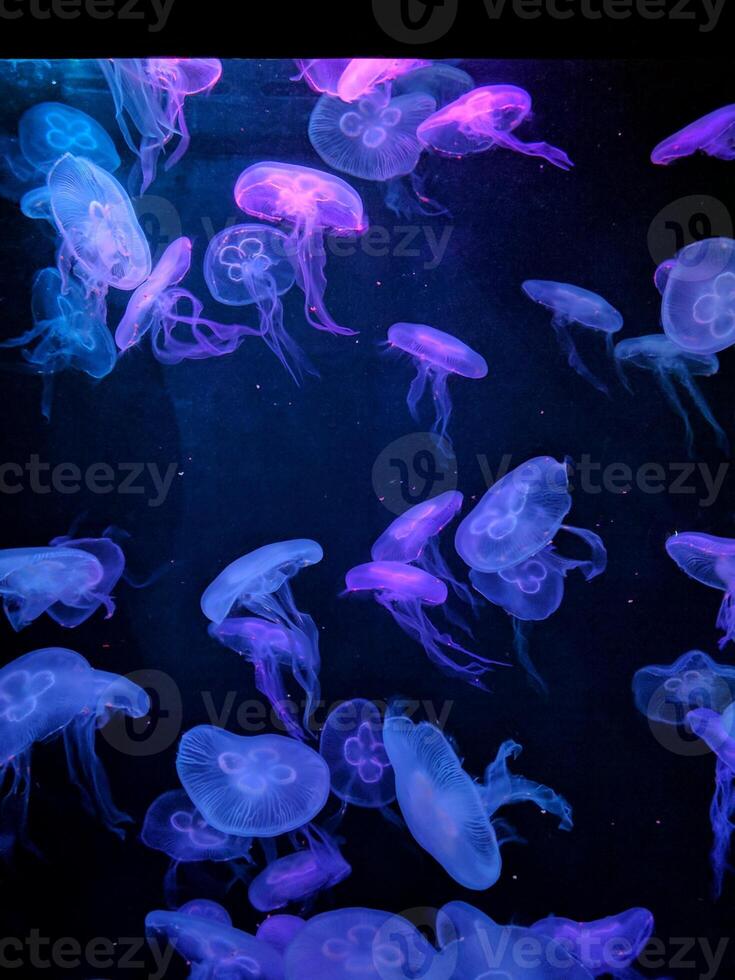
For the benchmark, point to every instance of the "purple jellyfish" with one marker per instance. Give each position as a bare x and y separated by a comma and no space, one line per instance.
666,693
352,746
322,75
314,203
608,946
711,561
437,355
362,76
279,931
301,875
698,306
713,134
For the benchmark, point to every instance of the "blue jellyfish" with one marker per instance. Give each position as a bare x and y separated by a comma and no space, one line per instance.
36,205
670,364
698,305
517,517
301,875
280,931
604,947
666,693
352,745
572,304
711,561
252,786
437,356
48,130
67,333
448,814
712,135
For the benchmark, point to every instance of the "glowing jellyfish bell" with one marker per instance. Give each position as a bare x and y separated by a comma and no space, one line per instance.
322,75
301,875
279,931
712,135
251,786
437,356
698,306
710,560
352,746
48,130
364,75
666,693
314,203
174,826
605,946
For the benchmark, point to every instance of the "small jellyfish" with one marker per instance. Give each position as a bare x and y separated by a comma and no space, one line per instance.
144,305
437,356
713,134
608,946
314,203
711,561
670,364
352,746
662,273
362,76
517,517
251,786
570,305
301,875
666,693
36,205
698,306
484,118
48,130
280,931
322,75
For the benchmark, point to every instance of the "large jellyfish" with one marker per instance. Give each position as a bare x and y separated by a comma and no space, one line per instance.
670,364
666,693
404,590
572,304
362,76
279,931
68,333
251,786
301,875
352,746
711,561
448,814
437,356
314,203
248,264
484,118
48,130
149,96
713,134
517,517
608,946
698,306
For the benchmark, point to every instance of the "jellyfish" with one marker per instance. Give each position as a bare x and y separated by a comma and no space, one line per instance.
443,82
143,306
180,332
662,273
666,693
36,205
517,517
671,364
362,76
447,813
48,130
271,647
95,217
352,745
251,786
608,946
437,356
711,561
698,306
314,203
483,118
67,334
322,75
149,96
404,590
570,305
111,558
248,264
301,875
713,134
280,931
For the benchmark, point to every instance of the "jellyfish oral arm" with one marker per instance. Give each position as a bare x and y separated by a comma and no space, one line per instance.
550,153
502,788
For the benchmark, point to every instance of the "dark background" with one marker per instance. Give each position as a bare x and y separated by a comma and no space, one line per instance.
261,460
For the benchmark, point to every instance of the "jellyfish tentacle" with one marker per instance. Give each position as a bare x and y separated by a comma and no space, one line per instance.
552,154
270,307
722,817
442,403
88,774
594,565
562,328
502,788
521,637
417,388
269,682
667,386
699,400
726,620
311,261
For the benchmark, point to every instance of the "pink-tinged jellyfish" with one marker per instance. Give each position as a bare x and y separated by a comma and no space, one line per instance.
666,693
662,273
483,118
100,231
213,947
144,305
363,76
404,590
252,264
111,558
322,75
149,96
517,517
358,942
698,306
279,931
437,356
272,648
301,875
711,561
447,812
572,304
352,746
713,134
671,365
443,82
68,333
252,786
48,130
180,332
314,204
608,946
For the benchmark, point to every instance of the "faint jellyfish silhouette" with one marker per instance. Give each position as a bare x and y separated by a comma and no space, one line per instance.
352,746
670,364
698,306
48,130
572,304
204,908
437,355
106,549
322,75
180,332
315,203
36,205
280,931
251,786
666,693
713,134
144,305
608,946
711,561
662,273
362,76
443,82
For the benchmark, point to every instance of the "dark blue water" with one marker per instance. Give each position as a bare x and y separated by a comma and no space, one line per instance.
257,459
